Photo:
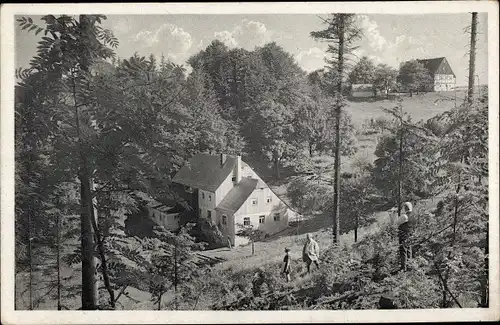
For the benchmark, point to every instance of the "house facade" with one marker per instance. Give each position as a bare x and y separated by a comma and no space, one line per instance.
444,78
230,193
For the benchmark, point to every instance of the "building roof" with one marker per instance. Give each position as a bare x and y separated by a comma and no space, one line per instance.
238,195
437,66
205,171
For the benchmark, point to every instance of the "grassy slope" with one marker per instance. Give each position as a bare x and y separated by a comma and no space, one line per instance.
271,251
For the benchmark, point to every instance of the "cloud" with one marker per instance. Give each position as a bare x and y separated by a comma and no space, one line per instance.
227,38
170,40
393,50
311,59
248,34
372,33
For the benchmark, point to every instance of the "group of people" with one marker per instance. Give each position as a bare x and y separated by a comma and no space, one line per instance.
310,255
310,252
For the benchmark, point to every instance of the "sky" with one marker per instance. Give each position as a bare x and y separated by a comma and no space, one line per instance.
389,39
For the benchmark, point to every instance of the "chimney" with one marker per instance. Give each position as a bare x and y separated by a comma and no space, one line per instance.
237,168
222,159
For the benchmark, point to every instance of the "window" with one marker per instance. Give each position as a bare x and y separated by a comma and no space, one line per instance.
249,176
254,202
209,197
262,219
200,213
269,199
276,217
246,221
209,215
224,219
203,195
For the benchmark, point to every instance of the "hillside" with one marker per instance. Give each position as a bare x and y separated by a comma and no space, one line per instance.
269,252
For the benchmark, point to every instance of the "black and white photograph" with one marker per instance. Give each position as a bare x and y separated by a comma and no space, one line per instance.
211,158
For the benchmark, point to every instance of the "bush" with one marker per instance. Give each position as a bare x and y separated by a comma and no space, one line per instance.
209,233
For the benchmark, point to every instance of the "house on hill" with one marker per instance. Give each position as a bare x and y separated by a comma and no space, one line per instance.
441,73
229,192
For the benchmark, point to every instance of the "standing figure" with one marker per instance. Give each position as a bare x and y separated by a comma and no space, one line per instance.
287,265
229,242
404,232
310,253
257,282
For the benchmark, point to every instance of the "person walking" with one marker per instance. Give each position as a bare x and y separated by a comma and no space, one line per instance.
310,253
287,265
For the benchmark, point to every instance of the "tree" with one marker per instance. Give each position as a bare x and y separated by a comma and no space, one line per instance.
208,130
172,262
66,59
472,60
363,72
414,76
407,165
385,78
341,33
358,193
249,232
276,132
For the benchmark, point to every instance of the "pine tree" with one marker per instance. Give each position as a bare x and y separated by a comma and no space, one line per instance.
472,59
341,33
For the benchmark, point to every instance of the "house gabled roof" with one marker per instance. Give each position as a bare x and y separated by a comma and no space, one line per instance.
205,171
238,195
437,66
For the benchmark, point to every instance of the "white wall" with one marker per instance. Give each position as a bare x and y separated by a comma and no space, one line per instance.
169,221
444,82
206,201
263,208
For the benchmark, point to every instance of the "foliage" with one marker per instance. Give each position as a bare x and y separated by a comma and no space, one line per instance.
363,72
385,78
414,76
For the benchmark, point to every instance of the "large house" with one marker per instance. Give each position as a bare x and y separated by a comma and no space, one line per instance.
228,193
441,73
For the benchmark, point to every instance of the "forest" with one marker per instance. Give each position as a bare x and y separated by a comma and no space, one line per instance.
93,130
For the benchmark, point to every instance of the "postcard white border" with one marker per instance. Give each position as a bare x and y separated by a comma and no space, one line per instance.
9,316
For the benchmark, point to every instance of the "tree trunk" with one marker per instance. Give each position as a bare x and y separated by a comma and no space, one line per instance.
356,226
472,59
277,167
89,263
484,279
30,258
58,257
338,111
175,274
102,256
253,248
311,149
400,176
159,301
